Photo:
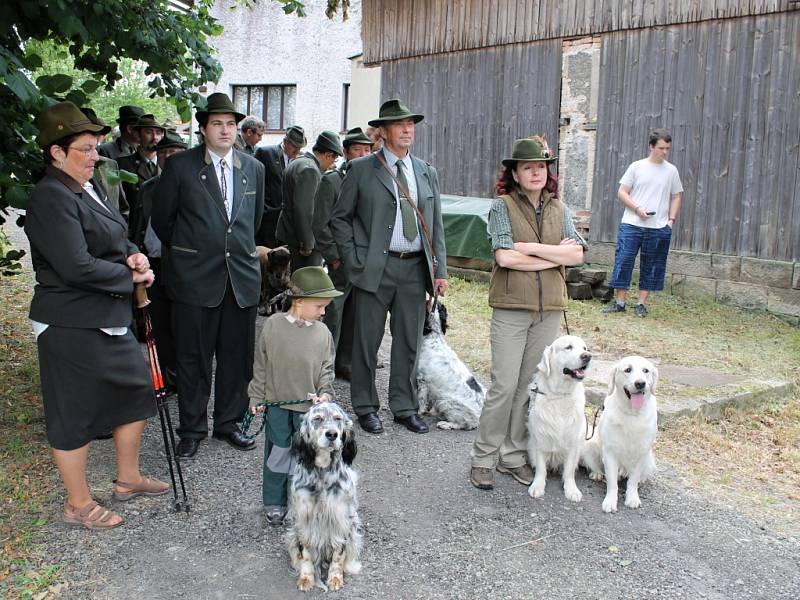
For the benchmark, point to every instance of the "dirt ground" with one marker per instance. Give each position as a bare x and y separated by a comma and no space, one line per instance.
428,534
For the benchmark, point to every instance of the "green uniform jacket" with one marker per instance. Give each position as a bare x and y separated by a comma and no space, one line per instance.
205,248
300,182
363,219
115,149
327,193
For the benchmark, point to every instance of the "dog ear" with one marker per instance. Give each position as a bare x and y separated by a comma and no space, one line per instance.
443,317
349,447
654,377
303,451
612,388
544,364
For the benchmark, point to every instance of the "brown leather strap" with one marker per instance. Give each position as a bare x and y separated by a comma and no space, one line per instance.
426,232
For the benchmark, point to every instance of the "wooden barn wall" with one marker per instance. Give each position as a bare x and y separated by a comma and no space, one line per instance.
475,104
394,29
730,93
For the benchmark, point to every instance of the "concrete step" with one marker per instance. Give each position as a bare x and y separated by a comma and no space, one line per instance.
685,391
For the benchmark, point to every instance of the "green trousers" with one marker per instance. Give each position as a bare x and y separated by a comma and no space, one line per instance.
281,427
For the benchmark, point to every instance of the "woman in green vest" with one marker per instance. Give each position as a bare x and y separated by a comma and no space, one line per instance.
533,239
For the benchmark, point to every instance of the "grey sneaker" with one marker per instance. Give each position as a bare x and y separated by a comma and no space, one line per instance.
522,473
482,478
641,311
613,308
274,514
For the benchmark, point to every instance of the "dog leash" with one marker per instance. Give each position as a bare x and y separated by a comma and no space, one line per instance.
248,417
597,411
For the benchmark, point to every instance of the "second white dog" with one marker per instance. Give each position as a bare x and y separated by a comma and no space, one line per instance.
623,443
556,419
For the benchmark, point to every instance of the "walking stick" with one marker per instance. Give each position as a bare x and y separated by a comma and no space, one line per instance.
162,402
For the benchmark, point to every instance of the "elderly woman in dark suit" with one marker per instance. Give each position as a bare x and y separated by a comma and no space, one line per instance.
93,375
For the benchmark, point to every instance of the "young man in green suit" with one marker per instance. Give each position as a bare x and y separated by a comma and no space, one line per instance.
390,263
210,201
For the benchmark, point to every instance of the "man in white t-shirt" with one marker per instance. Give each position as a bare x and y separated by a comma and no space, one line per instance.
651,191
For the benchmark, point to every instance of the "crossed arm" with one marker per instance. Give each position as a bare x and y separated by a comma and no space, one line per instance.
532,256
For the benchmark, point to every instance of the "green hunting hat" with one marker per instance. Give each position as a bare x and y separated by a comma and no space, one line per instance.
356,136
218,103
61,120
329,142
528,150
171,139
148,120
129,114
394,110
311,282
296,135
168,125
92,116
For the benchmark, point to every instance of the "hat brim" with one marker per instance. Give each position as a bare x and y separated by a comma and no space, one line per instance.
365,140
381,121
510,162
89,127
202,115
331,293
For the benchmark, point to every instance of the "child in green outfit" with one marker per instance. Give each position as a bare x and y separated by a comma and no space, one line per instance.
294,360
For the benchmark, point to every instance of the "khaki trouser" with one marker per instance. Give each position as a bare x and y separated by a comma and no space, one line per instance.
518,340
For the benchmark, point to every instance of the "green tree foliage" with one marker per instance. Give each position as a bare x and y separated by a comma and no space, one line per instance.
97,36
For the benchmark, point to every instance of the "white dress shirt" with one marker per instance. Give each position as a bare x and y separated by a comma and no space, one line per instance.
228,176
399,243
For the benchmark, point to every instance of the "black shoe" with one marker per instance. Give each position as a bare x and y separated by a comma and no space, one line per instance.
413,423
613,308
371,423
641,311
236,439
187,447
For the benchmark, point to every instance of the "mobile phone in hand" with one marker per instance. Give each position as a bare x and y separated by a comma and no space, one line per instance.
651,213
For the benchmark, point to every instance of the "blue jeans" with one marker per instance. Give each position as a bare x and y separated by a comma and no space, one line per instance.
654,246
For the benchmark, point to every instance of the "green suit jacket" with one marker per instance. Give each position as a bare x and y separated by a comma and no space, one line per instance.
327,193
136,164
205,248
363,219
300,182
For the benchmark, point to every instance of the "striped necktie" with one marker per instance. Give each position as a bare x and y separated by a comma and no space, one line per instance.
223,185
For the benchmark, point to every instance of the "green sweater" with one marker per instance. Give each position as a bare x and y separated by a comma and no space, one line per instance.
292,360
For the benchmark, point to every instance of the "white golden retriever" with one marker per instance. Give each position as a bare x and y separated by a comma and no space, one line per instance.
556,419
626,431
323,503
446,387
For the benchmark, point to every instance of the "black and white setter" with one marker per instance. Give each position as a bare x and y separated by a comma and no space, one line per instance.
324,526
445,386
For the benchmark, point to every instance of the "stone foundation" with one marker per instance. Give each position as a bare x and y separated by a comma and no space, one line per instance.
753,283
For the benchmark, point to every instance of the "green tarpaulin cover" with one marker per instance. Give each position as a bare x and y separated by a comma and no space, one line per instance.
465,222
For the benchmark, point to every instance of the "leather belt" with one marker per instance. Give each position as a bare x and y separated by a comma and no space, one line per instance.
405,254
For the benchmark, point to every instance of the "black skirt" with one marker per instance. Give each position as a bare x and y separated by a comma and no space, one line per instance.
91,382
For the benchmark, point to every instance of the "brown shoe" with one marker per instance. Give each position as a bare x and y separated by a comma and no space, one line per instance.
522,473
482,478
91,516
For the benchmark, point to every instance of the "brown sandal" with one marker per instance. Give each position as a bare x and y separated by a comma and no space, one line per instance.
91,516
146,487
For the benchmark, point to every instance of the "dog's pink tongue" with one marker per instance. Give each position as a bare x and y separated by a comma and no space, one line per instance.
637,400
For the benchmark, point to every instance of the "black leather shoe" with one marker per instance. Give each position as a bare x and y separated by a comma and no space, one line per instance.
236,439
187,447
413,423
371,423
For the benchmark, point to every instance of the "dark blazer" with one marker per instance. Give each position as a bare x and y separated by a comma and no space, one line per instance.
300,182
205,249
138,225
272,159
364,214
327,193
78,250
136,164
115,149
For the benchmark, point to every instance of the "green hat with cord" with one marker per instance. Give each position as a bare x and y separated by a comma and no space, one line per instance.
148,120
62,120
356,136
171,139
296,136
218,103
311,282
328,141
129,114
528,150
394,110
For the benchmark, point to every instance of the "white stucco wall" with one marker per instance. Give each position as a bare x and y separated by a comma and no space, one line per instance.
264,46
365,94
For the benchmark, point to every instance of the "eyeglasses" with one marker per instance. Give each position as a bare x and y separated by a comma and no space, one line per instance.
86,150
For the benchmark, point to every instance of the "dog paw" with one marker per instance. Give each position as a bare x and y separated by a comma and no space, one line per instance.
446,425
335,581
305,582
573,493
595,476
632,501
610,505
536,490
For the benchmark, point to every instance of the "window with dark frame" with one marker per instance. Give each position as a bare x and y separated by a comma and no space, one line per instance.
345,105
274,104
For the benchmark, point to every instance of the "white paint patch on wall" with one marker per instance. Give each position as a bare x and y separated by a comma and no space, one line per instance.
264,46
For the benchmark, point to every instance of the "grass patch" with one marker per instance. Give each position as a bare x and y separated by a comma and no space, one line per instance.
26,467
746,459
